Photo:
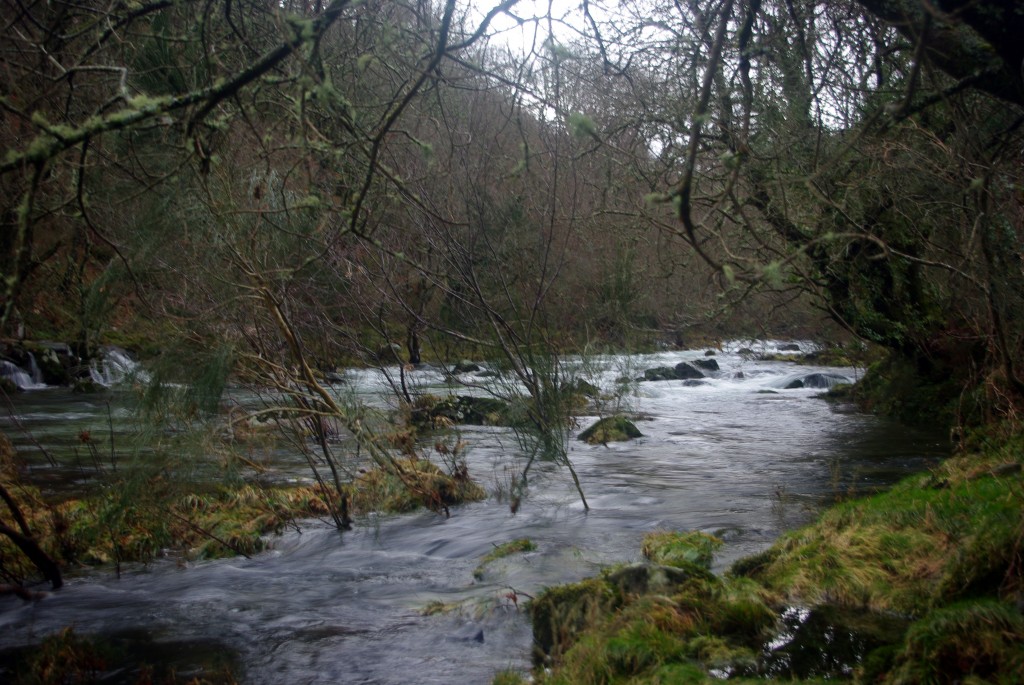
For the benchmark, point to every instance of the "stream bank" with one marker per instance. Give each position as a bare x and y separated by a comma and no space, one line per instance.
923,583
740,456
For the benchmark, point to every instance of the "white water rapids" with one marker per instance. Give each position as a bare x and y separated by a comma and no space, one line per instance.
739,457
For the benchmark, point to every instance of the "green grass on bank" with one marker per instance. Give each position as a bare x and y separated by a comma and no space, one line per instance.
924,582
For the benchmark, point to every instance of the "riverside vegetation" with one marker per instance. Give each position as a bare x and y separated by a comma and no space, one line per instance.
263,193
921,584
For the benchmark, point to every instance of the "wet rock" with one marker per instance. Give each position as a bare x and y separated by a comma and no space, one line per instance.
706,364
469,633
465,366
686,370
660,373
611,429
694,383
86,386
817,380
789,347
460,409
709,353
581,387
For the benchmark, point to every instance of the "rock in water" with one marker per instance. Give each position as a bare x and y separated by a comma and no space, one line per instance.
611,429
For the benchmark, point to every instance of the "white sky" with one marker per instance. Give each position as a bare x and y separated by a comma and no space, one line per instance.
532,32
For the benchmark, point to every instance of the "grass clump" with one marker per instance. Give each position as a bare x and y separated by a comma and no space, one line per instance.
506,549
509,678
139,515
671,548
647,623
922,543
409,483
981,641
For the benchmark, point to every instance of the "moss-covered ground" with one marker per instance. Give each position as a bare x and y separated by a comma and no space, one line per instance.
921,584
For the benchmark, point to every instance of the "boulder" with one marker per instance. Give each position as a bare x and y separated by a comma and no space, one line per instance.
693,383
709,353
465,366
817,380
86,386
706,364
789,347
581,387
661,373
686,370
611,429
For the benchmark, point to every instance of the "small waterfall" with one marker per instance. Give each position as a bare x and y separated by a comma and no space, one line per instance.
116,367
34,371
32,379
15,374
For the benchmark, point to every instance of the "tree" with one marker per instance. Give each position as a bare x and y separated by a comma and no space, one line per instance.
858,152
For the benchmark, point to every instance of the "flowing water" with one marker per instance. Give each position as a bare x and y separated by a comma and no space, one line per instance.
739,456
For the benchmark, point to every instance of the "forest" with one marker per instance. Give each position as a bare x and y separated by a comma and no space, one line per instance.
261,197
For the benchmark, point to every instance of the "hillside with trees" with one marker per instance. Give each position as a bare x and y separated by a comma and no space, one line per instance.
264,193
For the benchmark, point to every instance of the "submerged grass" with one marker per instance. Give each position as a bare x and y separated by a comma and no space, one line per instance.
138,518
506,549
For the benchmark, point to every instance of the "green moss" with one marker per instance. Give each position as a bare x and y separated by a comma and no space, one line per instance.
138,519
503,550
509,678
561,613
942,548
898,387
680,549
982,640
902,550
611,429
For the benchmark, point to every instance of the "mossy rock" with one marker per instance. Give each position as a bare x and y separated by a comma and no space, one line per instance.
433,411
671,548
660,373
611,429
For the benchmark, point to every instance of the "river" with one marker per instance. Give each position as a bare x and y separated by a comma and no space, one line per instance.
739,456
